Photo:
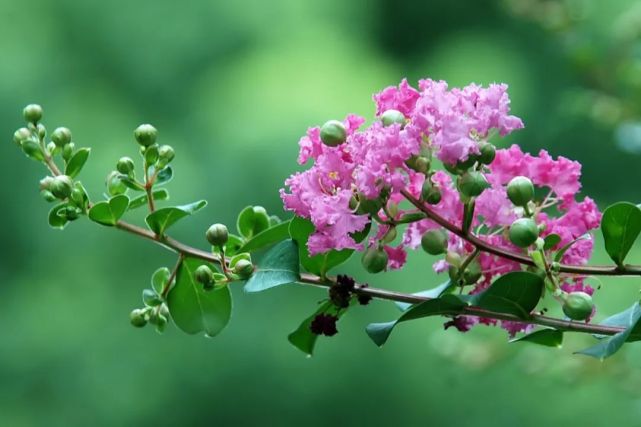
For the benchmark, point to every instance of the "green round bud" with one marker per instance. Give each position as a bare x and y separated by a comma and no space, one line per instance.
42,131
523,232
369,206
244,268
455,275
578,305
125,165
61,137
137,318
20,135
419,164
115,186
390,236
261,219
33,150
472,184
390,117
145,135
48,195
78,196
67,151
45,183
374,260
204,275
32,113
333,133
430,193
61,186
472,273
166,154
71,213
217,235
434,242
520,190
52,148
487,153
453,169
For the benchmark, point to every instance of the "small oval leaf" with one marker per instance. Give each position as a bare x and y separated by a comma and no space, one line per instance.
160,220
109,212
77,161
194,309
621,225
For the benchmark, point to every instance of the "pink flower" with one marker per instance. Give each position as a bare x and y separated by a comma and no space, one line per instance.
402,99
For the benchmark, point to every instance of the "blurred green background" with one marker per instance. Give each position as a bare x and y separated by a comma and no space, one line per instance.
232,86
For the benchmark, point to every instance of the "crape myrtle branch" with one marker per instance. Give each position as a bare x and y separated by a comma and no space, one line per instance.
196,295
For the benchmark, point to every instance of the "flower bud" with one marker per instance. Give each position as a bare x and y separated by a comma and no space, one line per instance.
453,258
578,306
166,154
243,268
52,148
48,196
115,186
42,131
78,197
390,235
67,151
137,318
45,183
71,213
434,242
523,232
419,164
487,153
374,260
333,133
61,186
369,206
204,275
125,165
33,150
390,117
20,135
430,193
32,113
61,137
520,190
145,135
217,235
472,273
472,184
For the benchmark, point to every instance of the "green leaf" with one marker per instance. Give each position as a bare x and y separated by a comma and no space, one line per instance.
621,225
233,245
159,279
130,183
77,161
548,337
622,320
279,267
448,304
141,200
303,338
55,220
266,238
550,241
160,220
164,176
251,221
300,229
195,310
109,212
517,293
610,345
430,293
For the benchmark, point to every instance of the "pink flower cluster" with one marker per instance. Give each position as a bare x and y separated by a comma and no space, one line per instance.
449,125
